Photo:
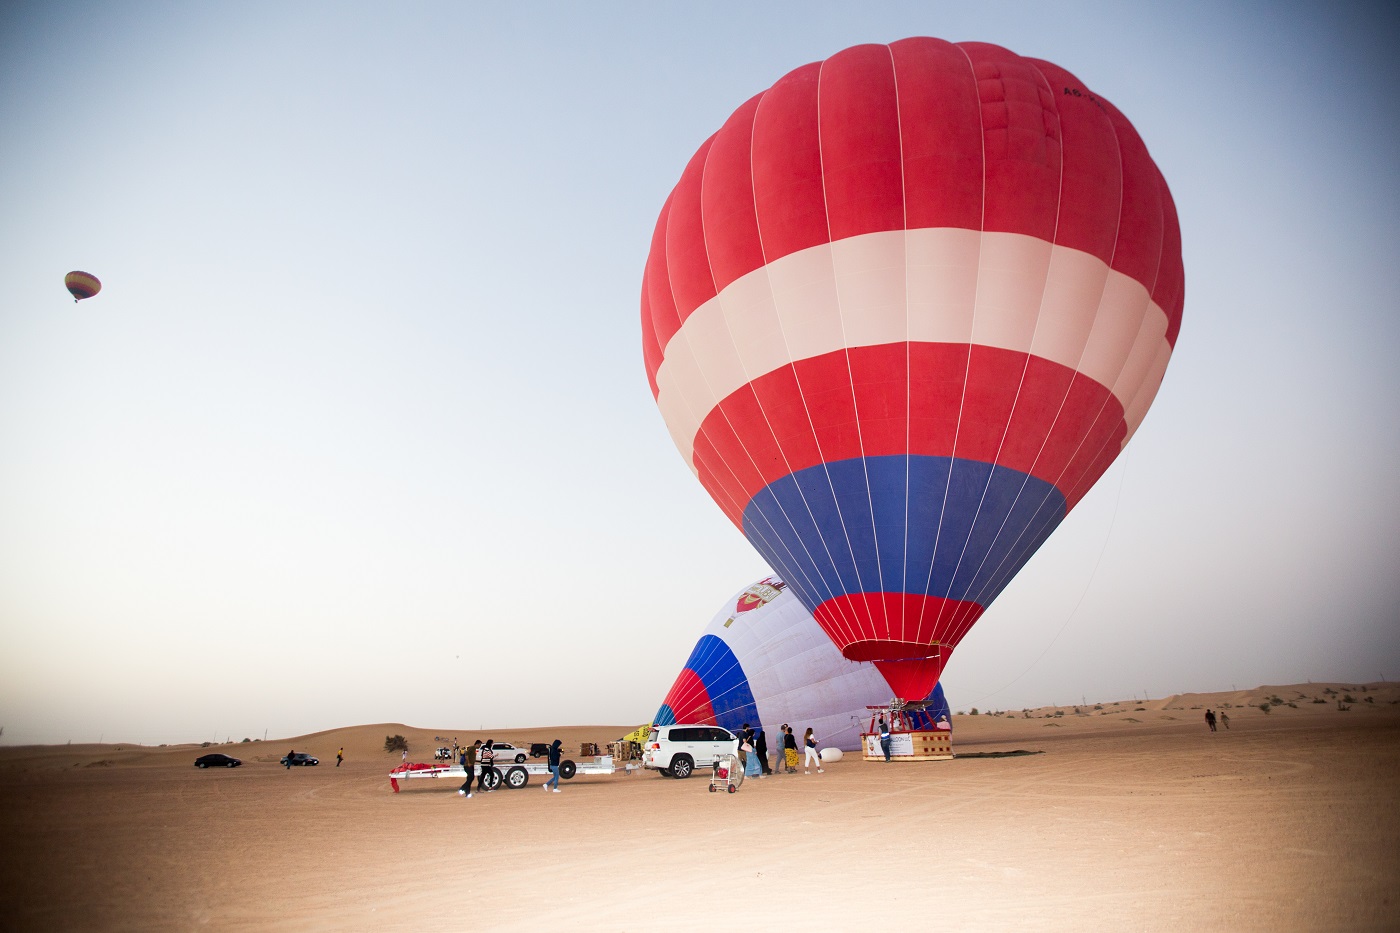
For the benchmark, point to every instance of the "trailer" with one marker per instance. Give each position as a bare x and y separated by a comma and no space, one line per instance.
513,775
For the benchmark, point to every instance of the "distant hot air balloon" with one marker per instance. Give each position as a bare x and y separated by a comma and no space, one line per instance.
82,285
764,660
900,313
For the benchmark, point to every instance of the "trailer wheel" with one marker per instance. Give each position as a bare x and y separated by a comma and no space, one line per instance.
491,779
567,769
517,778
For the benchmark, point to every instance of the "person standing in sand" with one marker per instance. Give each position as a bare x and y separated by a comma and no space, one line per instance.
1210,720
760,747
750,755
288,760
809,743
1225,719
885,738
487,757
789,750
340,756
554,756
468,756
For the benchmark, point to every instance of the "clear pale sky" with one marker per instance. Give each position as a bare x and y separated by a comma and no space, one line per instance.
358,429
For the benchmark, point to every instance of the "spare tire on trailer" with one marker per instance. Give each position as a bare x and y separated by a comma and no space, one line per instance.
567,769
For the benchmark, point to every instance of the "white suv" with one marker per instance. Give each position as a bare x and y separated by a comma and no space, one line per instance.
678,750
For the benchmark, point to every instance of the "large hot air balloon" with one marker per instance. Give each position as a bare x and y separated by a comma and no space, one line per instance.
81,285
900,313
764,660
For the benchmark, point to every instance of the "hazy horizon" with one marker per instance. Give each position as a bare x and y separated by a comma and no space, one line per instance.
358,429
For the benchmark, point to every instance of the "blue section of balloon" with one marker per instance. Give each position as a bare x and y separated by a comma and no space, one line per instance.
936,708
962,532
719,670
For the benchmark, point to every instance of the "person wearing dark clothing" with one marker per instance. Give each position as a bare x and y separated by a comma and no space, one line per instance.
288,760
745,745
487,757
1210,720
760,747
468,756
885,738
340,756
554,758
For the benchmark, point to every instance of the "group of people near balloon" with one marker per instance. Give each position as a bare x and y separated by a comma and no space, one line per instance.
753,752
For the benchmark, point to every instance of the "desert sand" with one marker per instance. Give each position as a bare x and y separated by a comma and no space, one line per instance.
1132,816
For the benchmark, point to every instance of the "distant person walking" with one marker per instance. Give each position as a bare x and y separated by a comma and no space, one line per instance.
554,756
288,760
760,747
340,756
885,738
468,756
487,757
789,750
809,742
1225,719
1210,720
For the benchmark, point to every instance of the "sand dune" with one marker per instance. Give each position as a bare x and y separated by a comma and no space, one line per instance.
1133,817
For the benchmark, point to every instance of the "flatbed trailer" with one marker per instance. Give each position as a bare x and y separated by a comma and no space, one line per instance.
513,775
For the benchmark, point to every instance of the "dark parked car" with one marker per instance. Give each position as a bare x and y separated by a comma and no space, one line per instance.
216,760
299,758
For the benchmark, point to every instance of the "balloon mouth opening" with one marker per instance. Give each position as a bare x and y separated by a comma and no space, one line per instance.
881,649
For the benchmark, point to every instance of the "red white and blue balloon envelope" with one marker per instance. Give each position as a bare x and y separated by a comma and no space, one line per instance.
763,660
900,313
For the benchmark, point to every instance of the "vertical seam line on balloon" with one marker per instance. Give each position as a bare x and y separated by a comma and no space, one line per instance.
961,625
908,361
845,624
967,363
850,379
1143,321
999,572
958,622
1164,197
816,586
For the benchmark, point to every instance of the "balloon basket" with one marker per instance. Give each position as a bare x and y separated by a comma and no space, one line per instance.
910,746
914,734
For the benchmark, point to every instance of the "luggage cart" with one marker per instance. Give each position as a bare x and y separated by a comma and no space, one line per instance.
726,773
